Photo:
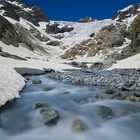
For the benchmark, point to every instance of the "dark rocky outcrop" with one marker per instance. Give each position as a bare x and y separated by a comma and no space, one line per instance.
86,19
8,34
35,15
134,33
112,35
55,29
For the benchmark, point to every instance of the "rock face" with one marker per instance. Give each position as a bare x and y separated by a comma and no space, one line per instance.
127,13
8,34
86,19
54,28
31,13
134,32
112,35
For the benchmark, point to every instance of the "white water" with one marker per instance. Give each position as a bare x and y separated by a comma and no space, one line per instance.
19,120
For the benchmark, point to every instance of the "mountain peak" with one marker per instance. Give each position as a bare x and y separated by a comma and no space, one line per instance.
129,12
17,9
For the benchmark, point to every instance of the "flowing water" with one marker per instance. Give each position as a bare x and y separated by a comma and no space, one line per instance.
19,120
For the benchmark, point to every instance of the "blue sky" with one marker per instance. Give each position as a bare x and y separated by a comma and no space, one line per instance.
73,10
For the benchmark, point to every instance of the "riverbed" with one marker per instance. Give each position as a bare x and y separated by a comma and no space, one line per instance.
19,120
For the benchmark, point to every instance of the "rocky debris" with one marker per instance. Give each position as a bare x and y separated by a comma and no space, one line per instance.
79,126
117,78
33,15
129,12
41,105
36,81
134,99
110,91
49,116
8,34
55,29
54,43
86,19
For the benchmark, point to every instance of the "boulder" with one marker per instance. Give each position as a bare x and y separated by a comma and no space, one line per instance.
50,116
79,126
36,81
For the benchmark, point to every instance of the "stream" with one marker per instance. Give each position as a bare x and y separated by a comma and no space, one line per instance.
19,120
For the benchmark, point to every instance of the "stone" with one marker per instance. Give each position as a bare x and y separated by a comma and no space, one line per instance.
110,91
41,105
79,126
104,112
50,116
36,81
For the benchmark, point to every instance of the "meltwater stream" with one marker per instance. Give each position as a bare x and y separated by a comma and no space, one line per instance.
19,120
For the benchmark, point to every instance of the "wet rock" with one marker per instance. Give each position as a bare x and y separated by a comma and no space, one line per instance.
104,112
79,126
110,91
48,89
134,99
41,105
50,116
36,81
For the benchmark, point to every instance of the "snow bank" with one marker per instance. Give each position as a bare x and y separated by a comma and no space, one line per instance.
10,84
131,62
